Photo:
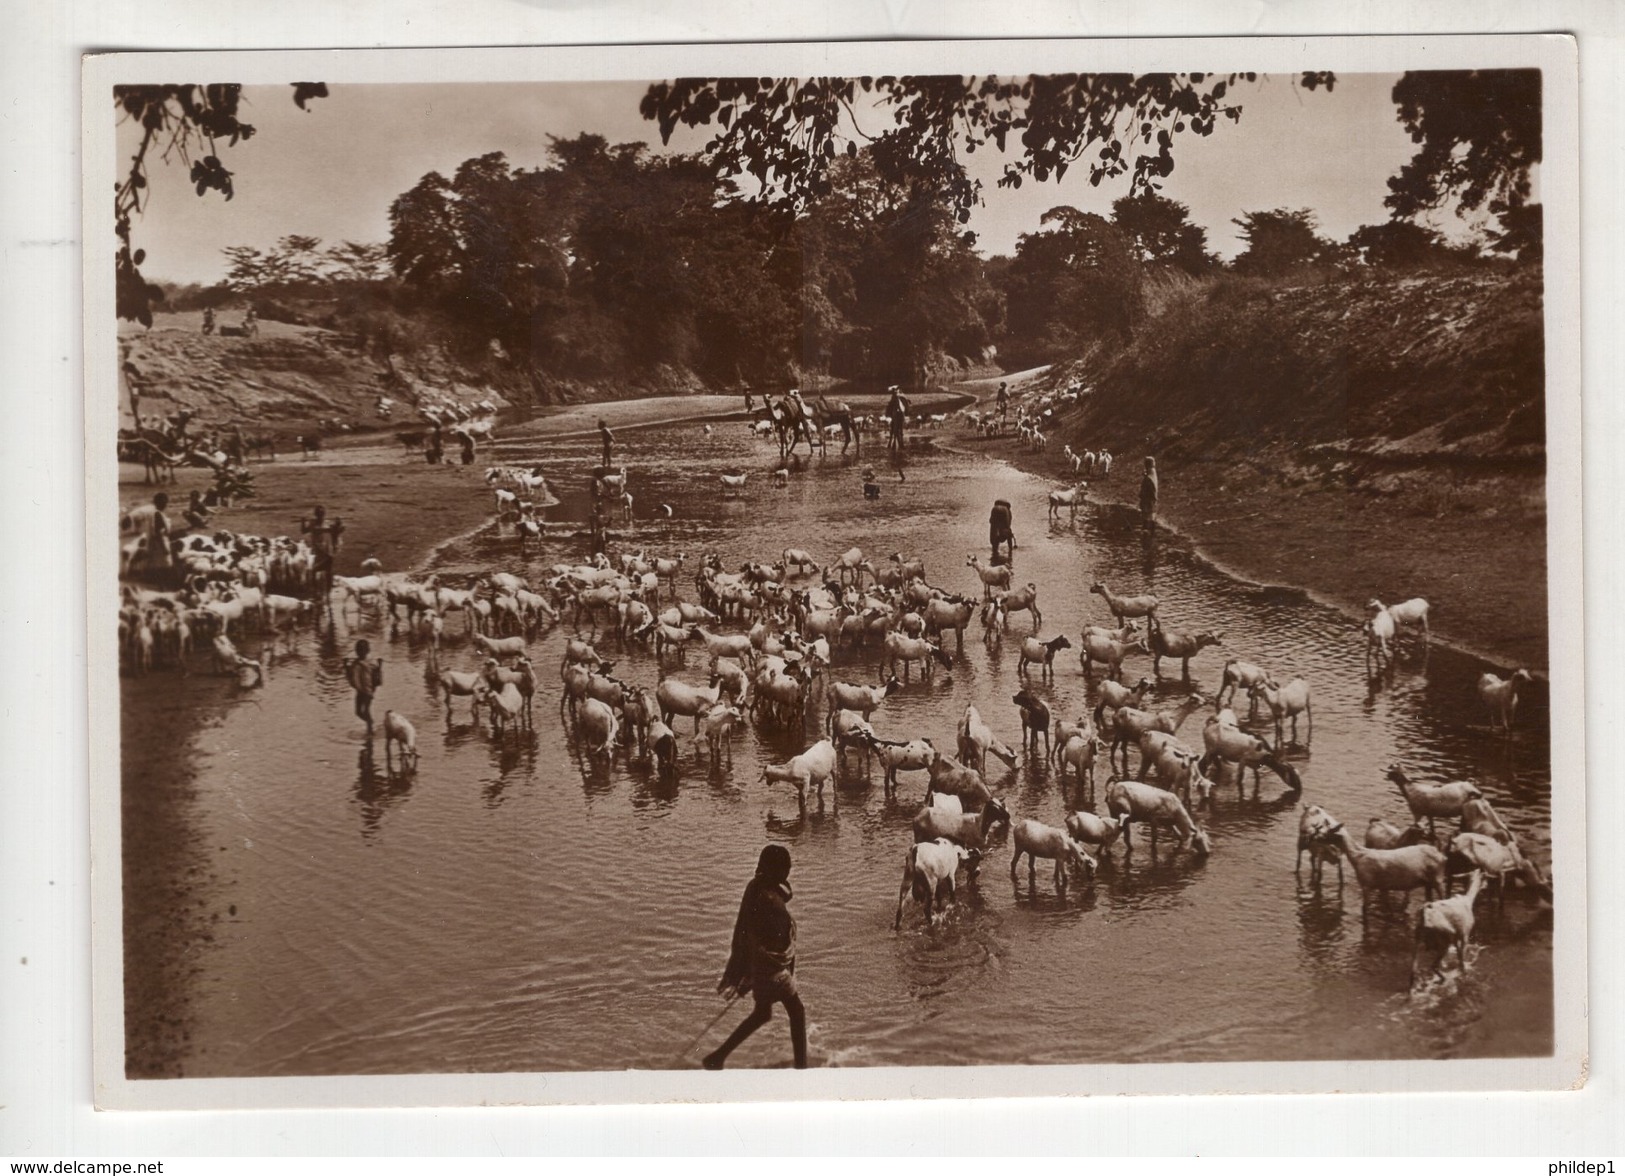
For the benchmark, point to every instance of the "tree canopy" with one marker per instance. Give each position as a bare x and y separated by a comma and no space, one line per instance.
1162,233
1479,134
787,132
1278,241
610,259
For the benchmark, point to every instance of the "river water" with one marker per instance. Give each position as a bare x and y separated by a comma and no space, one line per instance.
514,906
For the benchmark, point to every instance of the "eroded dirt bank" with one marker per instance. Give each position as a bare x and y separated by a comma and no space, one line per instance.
1359,439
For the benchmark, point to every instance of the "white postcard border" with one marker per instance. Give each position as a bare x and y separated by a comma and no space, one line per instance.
1555,55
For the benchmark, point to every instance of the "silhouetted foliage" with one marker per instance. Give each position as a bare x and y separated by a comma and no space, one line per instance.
1279,241
1479,132
610,260
1069,286
1161,232
1400,244
1522,233
787,132
188,121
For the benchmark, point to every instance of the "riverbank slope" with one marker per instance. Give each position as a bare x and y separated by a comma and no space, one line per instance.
1373,439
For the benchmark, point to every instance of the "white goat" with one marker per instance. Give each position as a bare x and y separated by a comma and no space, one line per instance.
1444,923
998,576
1065,498
1042,652
1109,653
1286,702
1404,869
976,739
862,699
1240,675
1130,800
1433,800
1125,606
1501,696
1315,826
715,725
908,650
598,726
398,729
808,770
1088,829
1410,612
928,870
1379,631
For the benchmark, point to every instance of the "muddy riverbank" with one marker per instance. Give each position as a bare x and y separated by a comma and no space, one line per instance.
1475,548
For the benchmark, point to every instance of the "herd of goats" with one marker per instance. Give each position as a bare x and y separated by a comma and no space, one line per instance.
768,635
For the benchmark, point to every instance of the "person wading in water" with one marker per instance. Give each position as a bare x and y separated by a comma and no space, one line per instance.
1000,533
1148,494
896,410
365,674
763,960
607,438
324,544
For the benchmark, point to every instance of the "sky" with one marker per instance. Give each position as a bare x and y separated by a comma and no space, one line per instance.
331,171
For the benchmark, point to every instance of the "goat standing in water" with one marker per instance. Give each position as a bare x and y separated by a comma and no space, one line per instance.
398,729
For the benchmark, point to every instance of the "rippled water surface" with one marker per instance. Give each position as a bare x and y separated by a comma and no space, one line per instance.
515,906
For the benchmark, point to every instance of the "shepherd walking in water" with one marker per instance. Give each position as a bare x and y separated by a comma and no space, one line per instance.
607,438
1148,494
763,960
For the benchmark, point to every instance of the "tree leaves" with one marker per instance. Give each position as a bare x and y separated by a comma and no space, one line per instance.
1074,283
1479,133
1279,241
208,173
1160,232
785,132
186,118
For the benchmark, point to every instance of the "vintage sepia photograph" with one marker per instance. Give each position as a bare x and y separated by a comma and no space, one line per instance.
649,562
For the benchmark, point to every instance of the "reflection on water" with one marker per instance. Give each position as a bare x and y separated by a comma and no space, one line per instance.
515,904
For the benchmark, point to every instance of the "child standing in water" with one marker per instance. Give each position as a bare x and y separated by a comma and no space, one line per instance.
365,675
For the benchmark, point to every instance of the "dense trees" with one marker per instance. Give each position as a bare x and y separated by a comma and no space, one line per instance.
609,259
1478,133
1074,283
1161,232
1279,241
605,260
1479,137
798,243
